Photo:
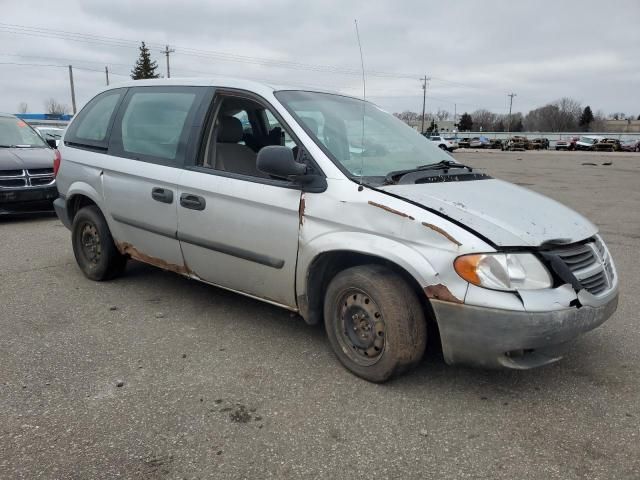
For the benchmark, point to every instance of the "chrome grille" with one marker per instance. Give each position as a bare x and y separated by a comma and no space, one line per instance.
590,263
34,177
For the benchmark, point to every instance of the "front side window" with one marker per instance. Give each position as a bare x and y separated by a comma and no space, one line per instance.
240,129
16,133
359,136
153,123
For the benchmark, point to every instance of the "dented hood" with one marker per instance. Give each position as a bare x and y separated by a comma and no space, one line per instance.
504,213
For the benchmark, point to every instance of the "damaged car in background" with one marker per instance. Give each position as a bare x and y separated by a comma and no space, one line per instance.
327,206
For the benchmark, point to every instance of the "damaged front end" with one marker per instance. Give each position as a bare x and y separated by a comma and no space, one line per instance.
532,327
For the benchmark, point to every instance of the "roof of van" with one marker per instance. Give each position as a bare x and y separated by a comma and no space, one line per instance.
217,81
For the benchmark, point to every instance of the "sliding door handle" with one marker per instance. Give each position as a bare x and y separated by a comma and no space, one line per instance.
162,195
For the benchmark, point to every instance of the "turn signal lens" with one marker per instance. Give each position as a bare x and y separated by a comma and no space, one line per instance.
466,267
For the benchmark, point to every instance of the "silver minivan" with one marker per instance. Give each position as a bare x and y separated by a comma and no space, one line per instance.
328,206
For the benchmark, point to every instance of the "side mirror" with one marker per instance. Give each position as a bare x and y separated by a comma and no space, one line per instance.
278,161
52,142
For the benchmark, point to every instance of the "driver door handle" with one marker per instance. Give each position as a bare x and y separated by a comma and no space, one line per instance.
192,202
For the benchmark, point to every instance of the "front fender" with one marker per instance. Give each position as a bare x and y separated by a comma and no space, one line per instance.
428,270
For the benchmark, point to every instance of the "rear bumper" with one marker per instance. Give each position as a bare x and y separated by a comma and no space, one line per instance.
27,200
494,338
60,206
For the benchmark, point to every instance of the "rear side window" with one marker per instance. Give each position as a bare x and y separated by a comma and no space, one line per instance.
91,127
154,124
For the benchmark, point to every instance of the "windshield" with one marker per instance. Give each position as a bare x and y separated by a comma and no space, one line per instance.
384,145
588,140
16,133
51,132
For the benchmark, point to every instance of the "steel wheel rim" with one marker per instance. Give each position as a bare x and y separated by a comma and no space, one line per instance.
90,243
360,327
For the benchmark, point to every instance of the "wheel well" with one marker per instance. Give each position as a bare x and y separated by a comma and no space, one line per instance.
327,265
75,203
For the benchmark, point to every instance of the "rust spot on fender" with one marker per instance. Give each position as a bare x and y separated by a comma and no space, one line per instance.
441,232
440,292
128,249
391,210
301,208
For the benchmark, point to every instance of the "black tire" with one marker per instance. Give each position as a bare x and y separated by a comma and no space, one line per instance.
443,147
93,246
375,322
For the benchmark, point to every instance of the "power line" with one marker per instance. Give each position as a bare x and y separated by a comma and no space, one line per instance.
124,43
59,66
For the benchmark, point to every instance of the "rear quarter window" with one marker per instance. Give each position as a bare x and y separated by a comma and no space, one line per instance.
92,126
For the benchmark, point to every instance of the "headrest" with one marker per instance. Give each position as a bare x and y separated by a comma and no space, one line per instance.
230,130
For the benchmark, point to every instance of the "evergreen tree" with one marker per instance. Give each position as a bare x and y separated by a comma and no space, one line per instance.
145,67
465,123
586,118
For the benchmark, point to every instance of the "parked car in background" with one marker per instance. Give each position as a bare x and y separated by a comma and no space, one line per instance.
516,143
496,143
463,143
479,142
52,135
567,143
27,162
539,144
588,142
375,242
607,145
448,144
630,146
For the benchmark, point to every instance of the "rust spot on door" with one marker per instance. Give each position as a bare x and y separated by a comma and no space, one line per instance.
391,210
441,232
128,249
301,208
440,292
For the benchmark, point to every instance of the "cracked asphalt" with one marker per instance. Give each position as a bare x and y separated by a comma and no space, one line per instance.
156,376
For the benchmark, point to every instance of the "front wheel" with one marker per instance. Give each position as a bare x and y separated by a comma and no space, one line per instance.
443,147
93,245
375,322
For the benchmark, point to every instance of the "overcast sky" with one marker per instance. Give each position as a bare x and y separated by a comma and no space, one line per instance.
476,52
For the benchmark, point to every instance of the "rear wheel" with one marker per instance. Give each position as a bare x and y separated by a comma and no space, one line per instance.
374,321
93,245
443,147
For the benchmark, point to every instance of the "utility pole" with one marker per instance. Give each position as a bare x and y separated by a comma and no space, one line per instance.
167,51
424,100
106,72
511,95
73,91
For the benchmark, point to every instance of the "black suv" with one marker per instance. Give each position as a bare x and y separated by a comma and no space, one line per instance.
27,181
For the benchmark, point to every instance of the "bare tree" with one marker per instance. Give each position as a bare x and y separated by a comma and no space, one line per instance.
23,107
53,107
484,120
442,115
560,116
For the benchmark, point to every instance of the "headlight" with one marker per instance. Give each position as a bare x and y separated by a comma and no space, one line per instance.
504,271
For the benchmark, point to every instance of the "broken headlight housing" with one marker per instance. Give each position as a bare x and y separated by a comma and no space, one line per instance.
504,271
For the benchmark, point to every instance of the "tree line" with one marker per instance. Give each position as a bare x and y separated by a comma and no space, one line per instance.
564,115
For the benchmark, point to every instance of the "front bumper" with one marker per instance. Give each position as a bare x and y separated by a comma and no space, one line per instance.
27,200
494,338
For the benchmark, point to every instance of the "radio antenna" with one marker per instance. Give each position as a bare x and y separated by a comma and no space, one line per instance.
364,99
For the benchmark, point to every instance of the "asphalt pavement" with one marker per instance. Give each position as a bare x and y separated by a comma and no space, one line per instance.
157,376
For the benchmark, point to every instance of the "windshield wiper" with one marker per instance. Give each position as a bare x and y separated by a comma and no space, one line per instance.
395,176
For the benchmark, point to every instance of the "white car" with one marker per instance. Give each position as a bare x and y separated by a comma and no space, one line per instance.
448,144
51,135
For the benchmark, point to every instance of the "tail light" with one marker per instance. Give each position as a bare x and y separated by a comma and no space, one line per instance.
56,162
